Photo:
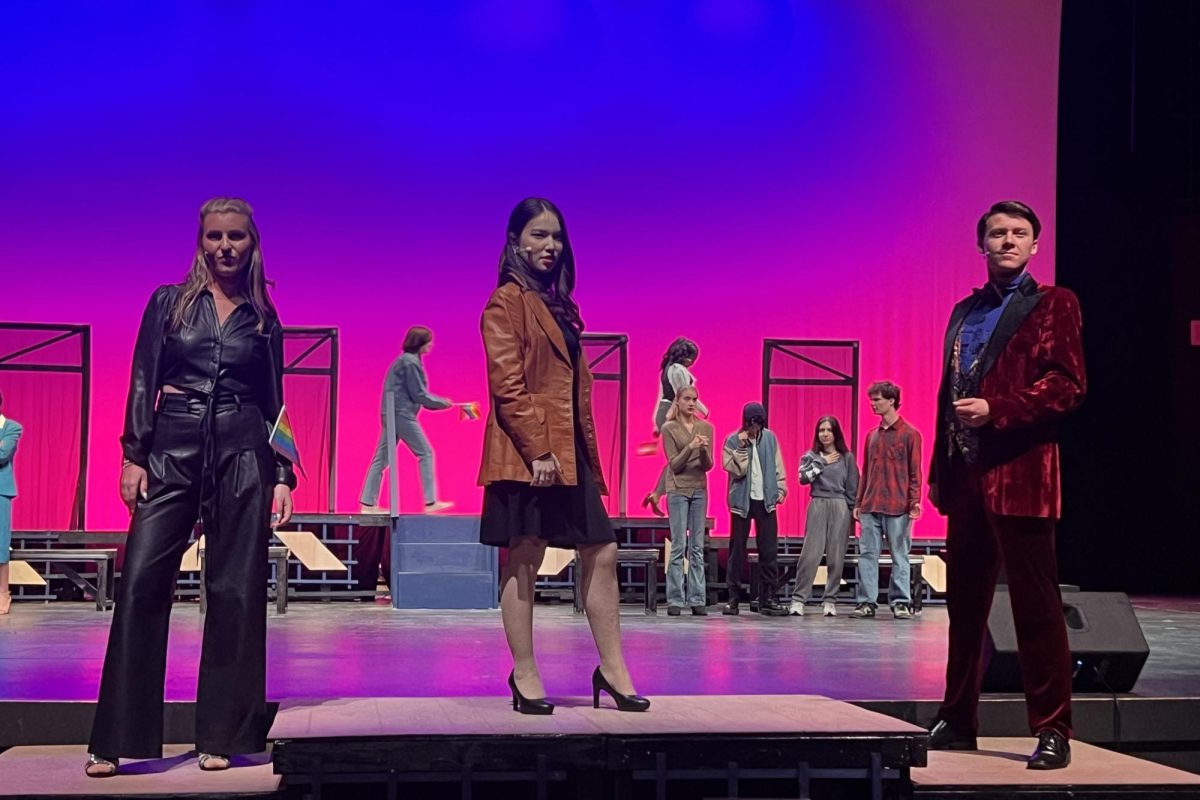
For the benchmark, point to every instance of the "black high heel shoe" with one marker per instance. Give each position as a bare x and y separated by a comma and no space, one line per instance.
625,702
650,502
524,705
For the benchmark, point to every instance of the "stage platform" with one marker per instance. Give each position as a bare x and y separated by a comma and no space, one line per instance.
594,752
997,770
57,771
51,657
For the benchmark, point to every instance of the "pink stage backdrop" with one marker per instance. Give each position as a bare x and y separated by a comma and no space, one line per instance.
729,171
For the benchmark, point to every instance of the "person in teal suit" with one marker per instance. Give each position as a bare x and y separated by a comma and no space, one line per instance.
10,432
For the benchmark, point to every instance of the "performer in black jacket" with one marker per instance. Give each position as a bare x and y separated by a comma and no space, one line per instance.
206,384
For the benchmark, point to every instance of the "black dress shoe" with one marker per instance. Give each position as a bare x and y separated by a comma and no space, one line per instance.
625,702
731,609
674,611
771,608
700,611
1053,751
943,737
525,705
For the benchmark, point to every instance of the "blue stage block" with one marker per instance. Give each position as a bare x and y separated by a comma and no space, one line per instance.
438,562
411,528
443,590
441,557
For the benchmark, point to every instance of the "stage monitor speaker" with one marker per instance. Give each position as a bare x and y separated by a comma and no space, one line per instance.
1108,649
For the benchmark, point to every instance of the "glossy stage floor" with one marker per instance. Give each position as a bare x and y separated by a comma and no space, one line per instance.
357,655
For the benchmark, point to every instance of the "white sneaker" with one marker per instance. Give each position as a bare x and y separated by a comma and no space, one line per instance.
796,609
437,507
829,608
363,508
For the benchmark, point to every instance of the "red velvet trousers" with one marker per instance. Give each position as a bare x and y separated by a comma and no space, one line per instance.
978,543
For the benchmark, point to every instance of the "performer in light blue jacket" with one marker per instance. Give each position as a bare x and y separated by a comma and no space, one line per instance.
10,432
409,388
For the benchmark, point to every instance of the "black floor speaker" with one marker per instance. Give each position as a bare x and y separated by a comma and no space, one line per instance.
1107,645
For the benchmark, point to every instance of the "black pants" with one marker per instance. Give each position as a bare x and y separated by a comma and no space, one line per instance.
766,531
230,484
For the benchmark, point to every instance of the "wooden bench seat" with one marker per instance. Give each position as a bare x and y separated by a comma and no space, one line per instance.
791,560
103,557
647,557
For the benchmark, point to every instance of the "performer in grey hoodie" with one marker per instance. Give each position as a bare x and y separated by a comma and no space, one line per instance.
830,470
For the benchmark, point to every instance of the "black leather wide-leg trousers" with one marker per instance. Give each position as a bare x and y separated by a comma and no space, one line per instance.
212,460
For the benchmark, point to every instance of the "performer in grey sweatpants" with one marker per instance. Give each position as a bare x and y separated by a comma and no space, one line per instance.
830,470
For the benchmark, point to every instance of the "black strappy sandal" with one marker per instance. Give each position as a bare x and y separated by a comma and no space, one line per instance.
110,766
206,758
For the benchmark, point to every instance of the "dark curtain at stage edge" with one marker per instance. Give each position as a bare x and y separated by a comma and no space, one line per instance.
48,406
793,413
1129,144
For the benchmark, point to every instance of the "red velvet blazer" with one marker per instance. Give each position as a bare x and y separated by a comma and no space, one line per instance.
1032,377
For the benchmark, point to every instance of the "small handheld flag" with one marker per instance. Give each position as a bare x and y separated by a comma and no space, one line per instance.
283,440
468,411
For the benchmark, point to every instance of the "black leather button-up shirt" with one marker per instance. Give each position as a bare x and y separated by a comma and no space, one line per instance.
203,358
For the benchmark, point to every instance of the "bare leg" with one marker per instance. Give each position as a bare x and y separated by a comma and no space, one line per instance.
525,555
5,598
600,599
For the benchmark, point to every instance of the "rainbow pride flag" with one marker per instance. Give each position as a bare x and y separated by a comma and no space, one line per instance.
283,440
468,411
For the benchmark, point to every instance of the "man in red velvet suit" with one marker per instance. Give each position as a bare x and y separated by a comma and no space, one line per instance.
1013,369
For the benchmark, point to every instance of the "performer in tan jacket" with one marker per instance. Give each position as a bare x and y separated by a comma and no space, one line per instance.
541,467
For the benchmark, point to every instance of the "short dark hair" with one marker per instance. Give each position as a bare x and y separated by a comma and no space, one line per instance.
1013,208
417,337
753,413
887,390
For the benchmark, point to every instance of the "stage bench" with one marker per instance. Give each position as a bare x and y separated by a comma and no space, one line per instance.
646,557
104,558
916,564
276,553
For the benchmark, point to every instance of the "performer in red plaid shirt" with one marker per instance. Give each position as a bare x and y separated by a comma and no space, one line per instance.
889,499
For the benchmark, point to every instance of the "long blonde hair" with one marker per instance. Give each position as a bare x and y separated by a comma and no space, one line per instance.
199,275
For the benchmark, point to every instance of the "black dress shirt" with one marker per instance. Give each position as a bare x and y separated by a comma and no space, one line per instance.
205,359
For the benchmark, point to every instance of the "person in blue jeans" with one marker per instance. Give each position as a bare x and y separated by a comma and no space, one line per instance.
10,433
889,501
407,384
688,442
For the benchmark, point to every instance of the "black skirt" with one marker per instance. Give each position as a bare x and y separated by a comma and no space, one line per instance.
563,516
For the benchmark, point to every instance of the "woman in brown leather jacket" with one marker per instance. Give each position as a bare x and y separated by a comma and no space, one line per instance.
206,382
541,467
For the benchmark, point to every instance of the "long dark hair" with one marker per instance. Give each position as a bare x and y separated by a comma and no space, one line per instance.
198,277
554,287
682,349
839,441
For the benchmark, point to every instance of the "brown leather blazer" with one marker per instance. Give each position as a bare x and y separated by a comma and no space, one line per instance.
530,379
